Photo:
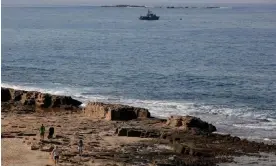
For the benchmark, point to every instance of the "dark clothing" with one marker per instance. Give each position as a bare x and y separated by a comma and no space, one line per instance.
56,157
80,144
51,132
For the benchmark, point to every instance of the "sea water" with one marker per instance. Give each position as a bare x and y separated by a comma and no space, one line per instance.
218,64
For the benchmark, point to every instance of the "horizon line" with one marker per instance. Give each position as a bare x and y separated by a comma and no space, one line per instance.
151,5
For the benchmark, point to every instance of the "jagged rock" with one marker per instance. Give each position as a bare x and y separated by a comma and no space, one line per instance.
190,122
114,111
38,99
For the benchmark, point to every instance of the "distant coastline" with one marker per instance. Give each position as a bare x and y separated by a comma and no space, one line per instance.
168,7
140,6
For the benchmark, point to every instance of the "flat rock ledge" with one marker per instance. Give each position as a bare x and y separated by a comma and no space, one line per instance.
114,111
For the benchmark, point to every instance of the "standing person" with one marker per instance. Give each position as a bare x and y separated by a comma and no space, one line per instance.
55,154
42,132
80,147
51,132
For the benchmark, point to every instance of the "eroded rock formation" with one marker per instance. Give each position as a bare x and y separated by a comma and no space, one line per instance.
189,122
114,111
38,99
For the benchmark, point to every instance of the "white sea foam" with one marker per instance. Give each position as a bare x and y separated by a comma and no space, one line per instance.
237,121
225,7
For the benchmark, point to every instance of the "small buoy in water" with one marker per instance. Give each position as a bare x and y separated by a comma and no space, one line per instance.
180,18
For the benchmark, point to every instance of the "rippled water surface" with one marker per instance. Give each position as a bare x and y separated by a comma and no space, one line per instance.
218,64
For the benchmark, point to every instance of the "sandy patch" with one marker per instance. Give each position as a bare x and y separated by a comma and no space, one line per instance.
15,153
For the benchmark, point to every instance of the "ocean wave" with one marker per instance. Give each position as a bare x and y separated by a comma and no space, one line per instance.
52,88
162,108
224,117
23,68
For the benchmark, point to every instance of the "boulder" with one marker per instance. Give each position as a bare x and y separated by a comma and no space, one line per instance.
190,123
38,99
114,111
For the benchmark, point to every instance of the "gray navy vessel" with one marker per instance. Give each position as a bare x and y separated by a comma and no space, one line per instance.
149,16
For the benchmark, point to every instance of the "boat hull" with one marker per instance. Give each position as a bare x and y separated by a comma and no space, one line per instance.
149,18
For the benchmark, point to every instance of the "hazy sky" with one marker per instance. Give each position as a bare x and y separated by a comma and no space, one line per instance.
112,2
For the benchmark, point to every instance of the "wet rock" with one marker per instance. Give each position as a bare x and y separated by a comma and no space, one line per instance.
190,122
114,111
236,139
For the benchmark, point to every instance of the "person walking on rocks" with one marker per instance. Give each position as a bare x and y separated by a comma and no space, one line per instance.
80,147
51,132
55,154
42,132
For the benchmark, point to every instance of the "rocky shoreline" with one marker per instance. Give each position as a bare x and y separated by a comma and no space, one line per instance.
117,134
